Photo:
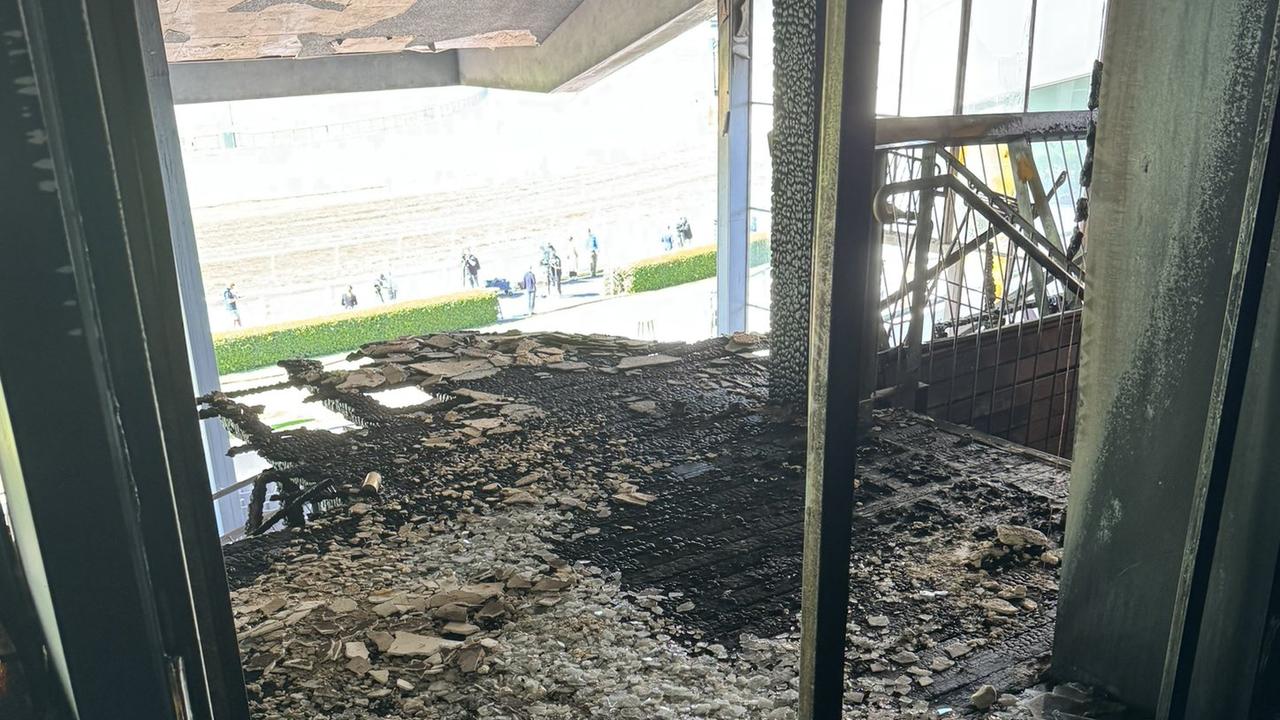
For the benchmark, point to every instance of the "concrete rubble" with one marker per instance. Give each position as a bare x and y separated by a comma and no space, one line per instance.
527,558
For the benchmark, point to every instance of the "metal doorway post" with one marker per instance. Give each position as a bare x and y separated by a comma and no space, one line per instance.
186,260
97,378
734,85
842,243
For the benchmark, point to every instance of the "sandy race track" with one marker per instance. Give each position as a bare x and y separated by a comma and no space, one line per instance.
292,258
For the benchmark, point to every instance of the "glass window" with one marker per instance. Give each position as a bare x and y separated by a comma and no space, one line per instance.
929,63
890,66
762,51
996,68
1067,39
760,189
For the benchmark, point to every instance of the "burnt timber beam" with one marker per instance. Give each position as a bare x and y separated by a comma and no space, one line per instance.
952,130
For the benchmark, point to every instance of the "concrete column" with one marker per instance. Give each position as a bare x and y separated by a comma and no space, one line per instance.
794,145
1175,171
734,70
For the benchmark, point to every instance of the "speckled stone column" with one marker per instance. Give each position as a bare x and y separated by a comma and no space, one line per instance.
793,148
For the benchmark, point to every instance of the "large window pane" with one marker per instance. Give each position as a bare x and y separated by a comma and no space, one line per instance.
929,66
1067,39
890,57
996,69
762,50
761,161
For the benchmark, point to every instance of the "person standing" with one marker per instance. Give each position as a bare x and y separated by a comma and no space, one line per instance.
593,249
685,232
530,285
473,270
349,301
557,272
232,302
667,242
549,261
545,263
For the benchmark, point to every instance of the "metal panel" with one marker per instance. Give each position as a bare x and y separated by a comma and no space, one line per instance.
80,499
97,379
1229,561
140,119
1176,154
734,165
842,248
186,261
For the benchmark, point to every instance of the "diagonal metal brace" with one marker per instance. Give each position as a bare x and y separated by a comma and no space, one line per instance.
1052,259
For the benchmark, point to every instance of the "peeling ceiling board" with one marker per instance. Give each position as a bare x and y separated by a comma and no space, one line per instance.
202,30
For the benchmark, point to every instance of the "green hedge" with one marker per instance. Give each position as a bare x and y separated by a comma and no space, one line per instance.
254,348
677,268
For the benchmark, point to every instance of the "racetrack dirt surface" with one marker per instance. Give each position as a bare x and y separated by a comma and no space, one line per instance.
289,257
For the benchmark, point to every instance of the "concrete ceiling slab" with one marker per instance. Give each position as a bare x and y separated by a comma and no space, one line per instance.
204,30
537,46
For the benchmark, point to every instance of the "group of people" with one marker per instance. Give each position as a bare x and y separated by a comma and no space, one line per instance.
383,287
683,235
553,268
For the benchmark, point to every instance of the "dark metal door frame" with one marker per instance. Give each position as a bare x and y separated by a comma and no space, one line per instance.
839,337
96,373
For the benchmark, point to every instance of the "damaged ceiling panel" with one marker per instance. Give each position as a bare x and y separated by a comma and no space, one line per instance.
197,30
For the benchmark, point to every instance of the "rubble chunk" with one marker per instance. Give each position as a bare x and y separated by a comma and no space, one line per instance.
632,362
407,644
984,697
1017,536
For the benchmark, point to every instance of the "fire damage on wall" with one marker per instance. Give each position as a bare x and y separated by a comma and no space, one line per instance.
577,526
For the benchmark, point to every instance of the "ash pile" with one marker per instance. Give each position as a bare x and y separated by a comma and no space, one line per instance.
584,526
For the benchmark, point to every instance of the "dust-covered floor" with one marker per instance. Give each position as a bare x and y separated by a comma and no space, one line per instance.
584,526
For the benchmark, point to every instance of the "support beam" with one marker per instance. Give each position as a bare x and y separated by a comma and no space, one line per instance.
141,117
734,87
1019,153
597,38
973,129
920,267
68,446
842,244
219,80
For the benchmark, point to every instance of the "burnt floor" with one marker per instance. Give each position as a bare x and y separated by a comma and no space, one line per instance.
935,597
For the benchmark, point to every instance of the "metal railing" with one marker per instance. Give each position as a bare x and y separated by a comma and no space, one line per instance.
981,281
